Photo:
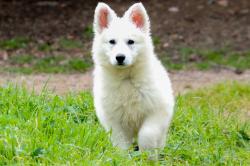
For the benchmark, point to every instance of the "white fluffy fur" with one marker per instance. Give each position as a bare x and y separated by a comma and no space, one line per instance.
136,100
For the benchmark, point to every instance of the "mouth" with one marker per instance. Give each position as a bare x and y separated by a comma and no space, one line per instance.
121,65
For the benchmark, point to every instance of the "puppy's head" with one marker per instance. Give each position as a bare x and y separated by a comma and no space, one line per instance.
120,40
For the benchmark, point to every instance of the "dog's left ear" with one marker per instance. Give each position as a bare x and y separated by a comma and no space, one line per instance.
137,15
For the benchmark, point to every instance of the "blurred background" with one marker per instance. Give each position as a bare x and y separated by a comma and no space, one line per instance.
46,105
195,39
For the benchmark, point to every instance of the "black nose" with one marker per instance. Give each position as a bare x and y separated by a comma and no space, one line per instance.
120,58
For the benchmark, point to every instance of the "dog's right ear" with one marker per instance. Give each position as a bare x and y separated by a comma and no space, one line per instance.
103,16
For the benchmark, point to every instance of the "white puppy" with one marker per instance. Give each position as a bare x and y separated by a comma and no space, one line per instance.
132,91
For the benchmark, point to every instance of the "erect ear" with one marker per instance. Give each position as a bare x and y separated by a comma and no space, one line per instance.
103,16
138,16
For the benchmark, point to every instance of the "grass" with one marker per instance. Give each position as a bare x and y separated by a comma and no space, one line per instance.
208,129
29,64
14,43
186,58
156,40
88,32
45,47
69,44
189,58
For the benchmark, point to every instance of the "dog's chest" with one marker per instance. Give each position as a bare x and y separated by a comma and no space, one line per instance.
129,101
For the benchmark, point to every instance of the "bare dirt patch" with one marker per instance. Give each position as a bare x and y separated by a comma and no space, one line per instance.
192,23
183,81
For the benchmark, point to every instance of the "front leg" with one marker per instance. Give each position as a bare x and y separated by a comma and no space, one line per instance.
120,137
152,134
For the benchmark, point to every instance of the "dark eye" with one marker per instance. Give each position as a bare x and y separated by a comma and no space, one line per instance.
112,42
130,42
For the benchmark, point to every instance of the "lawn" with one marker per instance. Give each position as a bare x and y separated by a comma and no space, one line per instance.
203,59
210,127
28,64
71,55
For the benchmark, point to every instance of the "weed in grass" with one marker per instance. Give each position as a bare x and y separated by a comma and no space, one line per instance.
207,59
221,58
59,64
69,43
29,64
45,47
47,129
170,64
49,64
15,43
156,40
17,69
78,64
88,32
21,59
